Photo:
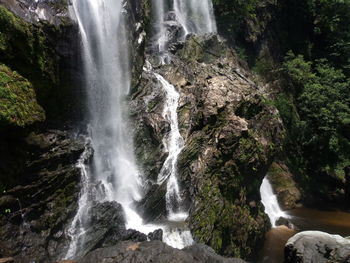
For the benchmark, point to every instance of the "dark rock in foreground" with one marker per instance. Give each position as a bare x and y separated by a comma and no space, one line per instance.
155,251
316,246
34,214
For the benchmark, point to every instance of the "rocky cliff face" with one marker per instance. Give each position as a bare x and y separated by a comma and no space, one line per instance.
44,49
35,211
231,135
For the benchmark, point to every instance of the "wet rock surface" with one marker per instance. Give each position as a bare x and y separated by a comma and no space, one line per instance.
315,246
231,136
34,214
284,186
154,251
52,11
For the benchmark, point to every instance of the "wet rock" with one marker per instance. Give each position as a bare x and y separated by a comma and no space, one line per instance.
133,235
54,12
154,251
283,184
156,235
39,208
105,224
153,205
206,254
284,222
45,52
315,246
231,136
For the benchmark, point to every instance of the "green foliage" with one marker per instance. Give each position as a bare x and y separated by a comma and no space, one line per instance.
18,105
262,66
323,106
231,14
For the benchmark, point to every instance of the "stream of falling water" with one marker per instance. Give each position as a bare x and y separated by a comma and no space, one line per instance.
270,202
174,144
113,174
192,16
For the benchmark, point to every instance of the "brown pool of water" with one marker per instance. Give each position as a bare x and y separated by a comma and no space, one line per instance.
333,222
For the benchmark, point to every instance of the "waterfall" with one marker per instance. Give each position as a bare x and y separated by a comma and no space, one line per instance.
195,16
113,174
192,16
76,230
173,144
270,202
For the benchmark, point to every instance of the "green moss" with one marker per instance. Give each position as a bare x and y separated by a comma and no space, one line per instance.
18,105
25,48
198,49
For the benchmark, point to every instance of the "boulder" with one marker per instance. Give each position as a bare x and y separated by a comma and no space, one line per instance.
153,205
316,246
105,226
156,235
154,251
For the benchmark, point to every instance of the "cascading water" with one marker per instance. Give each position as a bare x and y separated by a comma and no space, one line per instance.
190,16
113,175
193,17
173,144
270,202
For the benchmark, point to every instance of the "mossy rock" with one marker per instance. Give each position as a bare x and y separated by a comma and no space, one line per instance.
202,49
18,104
284,186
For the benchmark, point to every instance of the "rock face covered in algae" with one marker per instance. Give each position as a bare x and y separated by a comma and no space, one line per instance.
46,55
231,135
18,104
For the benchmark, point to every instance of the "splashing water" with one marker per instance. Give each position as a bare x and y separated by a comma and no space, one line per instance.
76,231
193,16
270,202
113,175
173,144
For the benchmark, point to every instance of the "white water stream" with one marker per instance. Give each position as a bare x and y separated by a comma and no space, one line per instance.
173,144
270,202
114,175
193,16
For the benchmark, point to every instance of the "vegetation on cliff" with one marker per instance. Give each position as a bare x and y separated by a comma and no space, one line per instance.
306,47
18,105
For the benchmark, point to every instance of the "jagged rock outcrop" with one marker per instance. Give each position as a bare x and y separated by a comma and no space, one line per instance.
34,213
284,185
315,246
105,226
44,52
154,251
231,134
55,12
